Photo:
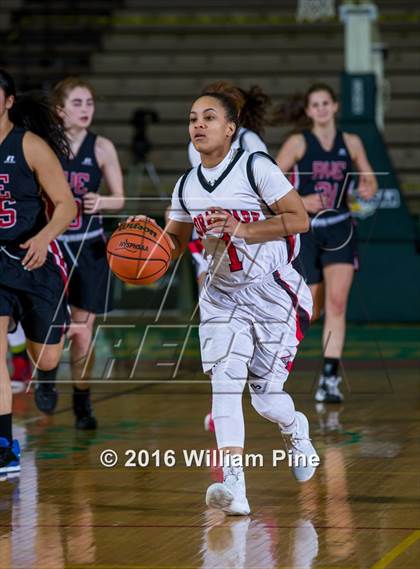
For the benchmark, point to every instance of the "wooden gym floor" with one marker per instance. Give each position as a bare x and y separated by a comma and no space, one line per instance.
361,510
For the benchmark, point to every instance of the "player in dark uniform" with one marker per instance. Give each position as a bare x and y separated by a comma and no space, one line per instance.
32,270
92,158
323,162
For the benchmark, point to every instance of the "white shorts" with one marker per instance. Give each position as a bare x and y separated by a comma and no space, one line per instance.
261,324
198,253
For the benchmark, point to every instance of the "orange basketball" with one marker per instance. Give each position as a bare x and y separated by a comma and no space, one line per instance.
138,252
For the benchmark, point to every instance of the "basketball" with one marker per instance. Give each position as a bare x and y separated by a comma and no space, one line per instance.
138,252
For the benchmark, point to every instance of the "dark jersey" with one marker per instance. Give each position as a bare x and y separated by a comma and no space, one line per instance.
327,173
22,208
84,175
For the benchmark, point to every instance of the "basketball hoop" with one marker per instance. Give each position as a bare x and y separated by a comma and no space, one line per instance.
313,10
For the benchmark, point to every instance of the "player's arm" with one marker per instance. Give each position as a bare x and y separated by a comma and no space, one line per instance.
291,152
180,233
291,218
368,185
49,173
107,158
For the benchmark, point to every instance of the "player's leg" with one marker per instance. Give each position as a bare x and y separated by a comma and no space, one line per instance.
21,363
46,356
9,449
82,359
89,294
228,379
318,297
308,265
278,340
226,347
338,280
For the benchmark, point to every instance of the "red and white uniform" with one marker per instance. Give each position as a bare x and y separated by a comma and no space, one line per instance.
245,139
253,301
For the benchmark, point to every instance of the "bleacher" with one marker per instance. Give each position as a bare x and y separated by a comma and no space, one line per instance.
158,55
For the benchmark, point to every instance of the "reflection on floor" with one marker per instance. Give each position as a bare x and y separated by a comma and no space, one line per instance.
361,510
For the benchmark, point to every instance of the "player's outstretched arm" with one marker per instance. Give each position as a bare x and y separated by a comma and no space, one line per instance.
49,173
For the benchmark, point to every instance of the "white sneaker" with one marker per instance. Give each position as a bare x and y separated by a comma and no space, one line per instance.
231,495
328,390
299,443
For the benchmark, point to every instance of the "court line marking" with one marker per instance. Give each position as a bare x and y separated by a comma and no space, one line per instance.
191,526
397,550
131,566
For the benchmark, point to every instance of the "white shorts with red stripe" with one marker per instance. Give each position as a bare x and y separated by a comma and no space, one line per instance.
199,256
261,324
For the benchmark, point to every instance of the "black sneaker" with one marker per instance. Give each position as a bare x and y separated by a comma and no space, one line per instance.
82,407
328,390
46,396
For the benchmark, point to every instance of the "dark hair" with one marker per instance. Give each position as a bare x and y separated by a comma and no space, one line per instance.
34,112
228,105
293,110
7,83
251,106
253,114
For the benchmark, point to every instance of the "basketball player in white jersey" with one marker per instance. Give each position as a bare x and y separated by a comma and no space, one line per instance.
254,305
251,107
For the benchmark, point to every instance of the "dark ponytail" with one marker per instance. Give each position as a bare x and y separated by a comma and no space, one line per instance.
251,106
34,112
293,110
253,114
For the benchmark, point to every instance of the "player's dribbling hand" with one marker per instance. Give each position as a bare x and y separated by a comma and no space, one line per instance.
313,203
134,218
37,250
220,221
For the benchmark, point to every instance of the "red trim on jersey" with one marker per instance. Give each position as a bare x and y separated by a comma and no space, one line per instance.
302,317
196,246
294,177
289,366
55,250
290,242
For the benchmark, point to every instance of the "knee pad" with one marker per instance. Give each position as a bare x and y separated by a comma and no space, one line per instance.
228,380
275,405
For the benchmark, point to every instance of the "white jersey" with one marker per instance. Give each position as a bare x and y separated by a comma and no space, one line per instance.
233,262
246,139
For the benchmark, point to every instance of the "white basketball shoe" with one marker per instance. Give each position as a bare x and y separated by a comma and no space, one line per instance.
304,456
229,496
